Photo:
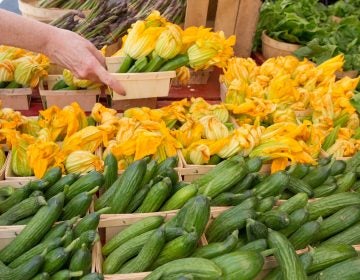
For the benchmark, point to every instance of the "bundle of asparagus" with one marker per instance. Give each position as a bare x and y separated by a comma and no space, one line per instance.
68,4
109,20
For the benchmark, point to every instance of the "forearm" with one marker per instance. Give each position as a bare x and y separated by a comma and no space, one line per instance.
24,33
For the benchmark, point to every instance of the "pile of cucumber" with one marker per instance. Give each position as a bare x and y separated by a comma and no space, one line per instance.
19,205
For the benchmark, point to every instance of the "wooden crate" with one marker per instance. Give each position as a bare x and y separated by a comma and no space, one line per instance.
237,17
17,99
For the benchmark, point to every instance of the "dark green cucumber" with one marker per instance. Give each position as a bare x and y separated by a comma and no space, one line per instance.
59,229
60,185
179,186
325,256
179,198
81,260
286,256
105,199
338,167
89,222
84,184
266,204
138,199
345,182
25,208
25,271
305,234
110,170
230,199
330,204
294,203
136,229
173,232
178,248
87,238
66,275
35,230
239,265
255,230
227,222
272,185
245,183
36,193
56,259
254,164
125,252
249,203
299,170
317,176
297,219
256,245
24,221
42,276
170,162
18,196
78,205
6,191
93,276
156,197
37,250
325,190
128,186
52,175
148,254
299,186
275,219
338,222
216,249
149,173
350,236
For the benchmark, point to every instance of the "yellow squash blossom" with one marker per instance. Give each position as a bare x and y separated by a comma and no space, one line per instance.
6,71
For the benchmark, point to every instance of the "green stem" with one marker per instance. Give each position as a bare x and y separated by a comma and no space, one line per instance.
125,66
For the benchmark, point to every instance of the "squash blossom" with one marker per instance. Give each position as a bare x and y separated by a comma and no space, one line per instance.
72,81
169,43
28,71
6,71
82,162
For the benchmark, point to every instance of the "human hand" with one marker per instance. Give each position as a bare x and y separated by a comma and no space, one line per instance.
77,54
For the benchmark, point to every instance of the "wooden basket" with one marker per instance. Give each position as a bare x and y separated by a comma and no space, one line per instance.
274,48
17,99
113,63
144,85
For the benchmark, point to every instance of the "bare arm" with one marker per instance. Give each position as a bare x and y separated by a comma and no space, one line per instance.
61,46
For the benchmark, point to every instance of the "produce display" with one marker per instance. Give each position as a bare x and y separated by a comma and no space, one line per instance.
70,82
20,68
109,20
311,25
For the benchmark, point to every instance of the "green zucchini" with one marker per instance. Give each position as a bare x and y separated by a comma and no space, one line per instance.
256,245
89,222
88,238
179,185
254,164
230,199
66,275
255,230
297,219
349,236
170,162
138,199
266,204
149,173
25,208
299,186
59,229
216,249
294,203
305,234
6,191
35,230
85,183
317,176
173,232
272,185
275,219
52,175
179,198
136,229
25,271
286,256
105,199
325,190
60,185
18,196
42,276
24,221
338,167
245,183
345,182
36,193
110,170
81,260
299,170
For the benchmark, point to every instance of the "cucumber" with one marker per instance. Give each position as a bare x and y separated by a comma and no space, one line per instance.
35,230
275,219
266,204
128,186
350,236
227,222
60,85
56,259
89,222
124,252
36,193
255,230
88,238
297,219
299,186
173,232
338,167
317,176
299,170
24,221
230,199
93,276
305,234
254,164
136,229
245,183
52,175
18,196
78,205
66,275
178,248
149,173
6,191
216,249
338,222
346,270
256,245
240,265
325,190
81,260
286,256
330,204
105,199
85,183
36,250
110,170
345,182
170,162
156,196
148,254
60,185
179,186
59,229
294,203
272,185
204,269
325,256
25,208
25,271
179,198
138,199
42,276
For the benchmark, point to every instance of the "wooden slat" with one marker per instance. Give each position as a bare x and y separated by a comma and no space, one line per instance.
226,16
196,12
247,20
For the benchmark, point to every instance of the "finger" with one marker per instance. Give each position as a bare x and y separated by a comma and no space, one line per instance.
98,55
109,80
